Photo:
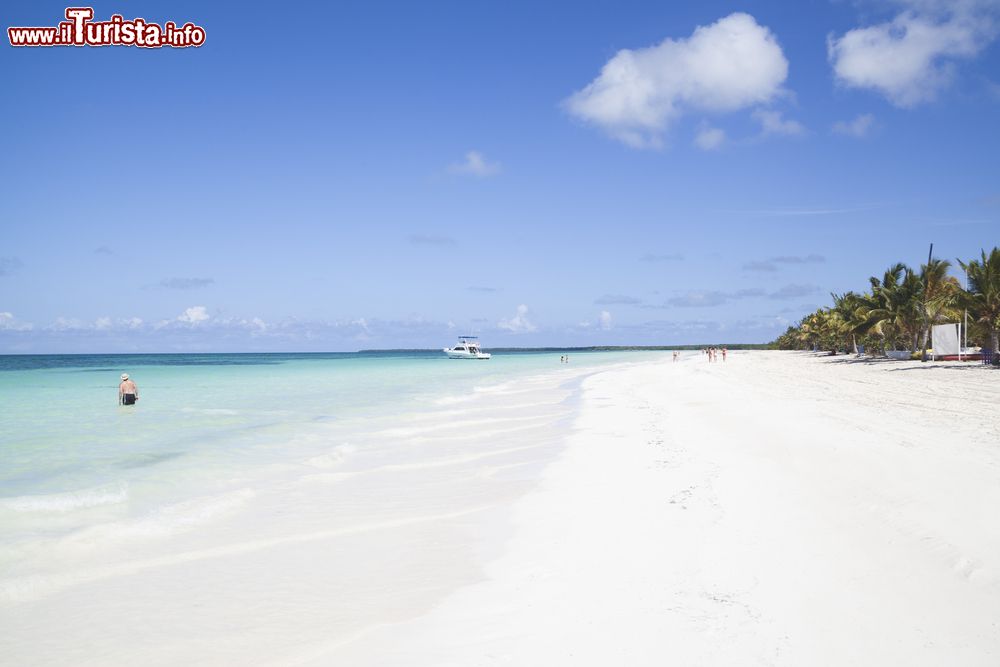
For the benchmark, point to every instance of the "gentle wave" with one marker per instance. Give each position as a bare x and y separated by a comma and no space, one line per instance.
165,521
68,501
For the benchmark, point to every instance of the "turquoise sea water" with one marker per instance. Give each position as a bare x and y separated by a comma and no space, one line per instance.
67,447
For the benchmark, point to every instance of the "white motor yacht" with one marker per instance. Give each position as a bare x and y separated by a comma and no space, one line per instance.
467,348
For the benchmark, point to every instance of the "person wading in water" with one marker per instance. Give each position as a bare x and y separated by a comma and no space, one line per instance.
128,393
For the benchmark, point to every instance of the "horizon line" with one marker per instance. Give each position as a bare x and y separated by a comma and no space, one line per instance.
585,348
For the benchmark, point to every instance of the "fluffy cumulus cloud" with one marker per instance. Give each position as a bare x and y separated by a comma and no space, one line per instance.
732,64
193,315
10,323
858,128
475,164
519,323
910,58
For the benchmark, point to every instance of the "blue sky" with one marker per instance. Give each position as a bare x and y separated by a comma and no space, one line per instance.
360,175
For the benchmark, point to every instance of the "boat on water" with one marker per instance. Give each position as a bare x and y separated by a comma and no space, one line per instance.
467,348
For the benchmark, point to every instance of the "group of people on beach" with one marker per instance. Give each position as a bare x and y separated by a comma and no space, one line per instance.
564,359
713,353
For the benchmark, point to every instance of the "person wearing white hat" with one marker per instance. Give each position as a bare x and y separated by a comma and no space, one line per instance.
128,393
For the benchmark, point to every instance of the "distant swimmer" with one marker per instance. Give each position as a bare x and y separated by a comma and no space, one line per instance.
128,393
676,354
723,354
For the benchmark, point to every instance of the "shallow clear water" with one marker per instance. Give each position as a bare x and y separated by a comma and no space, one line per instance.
67,449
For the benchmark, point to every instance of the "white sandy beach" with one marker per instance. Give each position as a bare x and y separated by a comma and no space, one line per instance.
776,509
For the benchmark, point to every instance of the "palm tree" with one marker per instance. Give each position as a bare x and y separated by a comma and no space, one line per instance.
982,300
893,306
849,317
815,329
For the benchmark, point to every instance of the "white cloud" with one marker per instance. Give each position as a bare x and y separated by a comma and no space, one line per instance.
709,138
605,320
732,64
519,323
10,323
476,164
859,127
912,57
193,315
771,122
101,324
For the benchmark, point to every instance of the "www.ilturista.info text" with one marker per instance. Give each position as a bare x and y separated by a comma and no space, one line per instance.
80,30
